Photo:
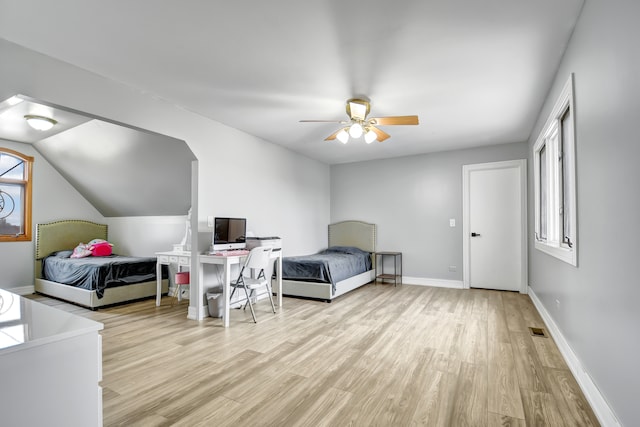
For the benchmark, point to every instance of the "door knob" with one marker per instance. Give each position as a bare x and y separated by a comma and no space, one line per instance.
475,234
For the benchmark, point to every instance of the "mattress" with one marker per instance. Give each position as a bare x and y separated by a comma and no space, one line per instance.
98,273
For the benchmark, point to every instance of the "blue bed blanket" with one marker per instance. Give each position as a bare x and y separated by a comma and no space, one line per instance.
98,273
331,265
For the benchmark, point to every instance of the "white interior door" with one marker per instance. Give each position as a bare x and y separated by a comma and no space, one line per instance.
495,225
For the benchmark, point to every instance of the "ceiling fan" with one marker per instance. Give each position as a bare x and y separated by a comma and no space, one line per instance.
359,124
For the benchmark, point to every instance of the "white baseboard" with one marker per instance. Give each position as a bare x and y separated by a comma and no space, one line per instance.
22,290
438,283
598,403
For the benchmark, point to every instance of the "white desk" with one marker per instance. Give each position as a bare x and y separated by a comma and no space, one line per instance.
182,259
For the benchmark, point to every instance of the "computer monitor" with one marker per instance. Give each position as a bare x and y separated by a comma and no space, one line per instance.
229,233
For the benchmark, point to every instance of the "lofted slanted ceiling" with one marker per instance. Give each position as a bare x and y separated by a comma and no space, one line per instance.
475,72
122,171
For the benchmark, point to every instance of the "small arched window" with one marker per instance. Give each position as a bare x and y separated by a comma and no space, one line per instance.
15,196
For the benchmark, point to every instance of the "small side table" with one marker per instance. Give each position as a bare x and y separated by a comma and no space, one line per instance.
397,267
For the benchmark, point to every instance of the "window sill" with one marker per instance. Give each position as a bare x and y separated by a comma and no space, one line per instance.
563,254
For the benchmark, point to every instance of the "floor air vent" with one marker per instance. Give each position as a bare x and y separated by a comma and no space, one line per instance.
538,332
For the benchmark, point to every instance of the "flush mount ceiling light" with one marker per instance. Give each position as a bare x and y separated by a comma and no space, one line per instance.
40,122
359,123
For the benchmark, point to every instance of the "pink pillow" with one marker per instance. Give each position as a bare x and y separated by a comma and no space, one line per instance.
100,247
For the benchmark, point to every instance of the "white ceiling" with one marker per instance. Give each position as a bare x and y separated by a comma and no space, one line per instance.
475,72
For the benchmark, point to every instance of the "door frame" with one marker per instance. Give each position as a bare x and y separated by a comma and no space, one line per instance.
521,165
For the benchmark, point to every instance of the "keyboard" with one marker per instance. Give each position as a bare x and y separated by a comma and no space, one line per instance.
238,252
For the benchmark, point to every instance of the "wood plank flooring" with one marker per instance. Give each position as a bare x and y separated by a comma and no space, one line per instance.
378,356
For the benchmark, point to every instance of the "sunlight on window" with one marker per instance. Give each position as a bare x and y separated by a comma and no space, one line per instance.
15,196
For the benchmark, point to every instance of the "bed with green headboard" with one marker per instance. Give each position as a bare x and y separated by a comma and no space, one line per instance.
65,236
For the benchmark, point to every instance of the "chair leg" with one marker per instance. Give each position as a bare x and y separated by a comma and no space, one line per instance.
247,302
246,295
177,294
176,290
269,292
251,306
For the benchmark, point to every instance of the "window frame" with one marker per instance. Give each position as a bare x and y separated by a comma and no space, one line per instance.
560,192
26,183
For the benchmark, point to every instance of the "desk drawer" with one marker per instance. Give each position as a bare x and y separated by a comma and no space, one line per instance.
174,259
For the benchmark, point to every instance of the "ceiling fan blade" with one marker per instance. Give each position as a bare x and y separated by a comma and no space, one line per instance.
395,120
322,121
382,135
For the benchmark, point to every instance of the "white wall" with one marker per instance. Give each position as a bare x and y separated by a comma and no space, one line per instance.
598,314
279,192
411,199
145,235
53,199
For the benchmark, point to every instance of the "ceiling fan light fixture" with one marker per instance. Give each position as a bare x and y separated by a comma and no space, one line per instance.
359,124
355,130
357,108
40,122
370,136
342,136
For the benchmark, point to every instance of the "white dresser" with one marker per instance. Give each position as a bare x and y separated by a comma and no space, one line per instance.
50,366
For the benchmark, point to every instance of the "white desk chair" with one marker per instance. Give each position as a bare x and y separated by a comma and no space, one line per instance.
257,261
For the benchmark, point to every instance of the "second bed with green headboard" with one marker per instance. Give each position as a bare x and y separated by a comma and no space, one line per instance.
60,237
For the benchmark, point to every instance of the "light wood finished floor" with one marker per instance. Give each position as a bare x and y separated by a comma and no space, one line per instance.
378,356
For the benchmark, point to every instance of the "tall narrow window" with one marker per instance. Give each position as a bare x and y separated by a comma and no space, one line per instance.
15,196
554,178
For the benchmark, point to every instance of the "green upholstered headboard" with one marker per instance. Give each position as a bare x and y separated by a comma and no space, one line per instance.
353,233
65,235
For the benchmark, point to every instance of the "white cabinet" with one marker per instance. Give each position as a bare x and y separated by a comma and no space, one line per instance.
50,365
